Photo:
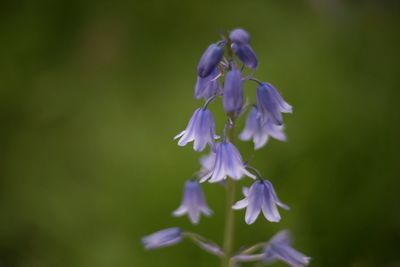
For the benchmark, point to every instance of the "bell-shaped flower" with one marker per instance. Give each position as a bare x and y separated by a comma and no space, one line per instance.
163,238
270,103
280,248
208,86
233,92
239,36
193,202
260,131
228,162
260,197
246,54
210,60
200,129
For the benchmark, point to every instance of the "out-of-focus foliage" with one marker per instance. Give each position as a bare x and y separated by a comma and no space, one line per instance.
92,92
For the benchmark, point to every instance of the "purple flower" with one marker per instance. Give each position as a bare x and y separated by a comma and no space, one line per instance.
228,162
193,202
210,60
260,131
279,248
200,129
233,92
270,103
163,238
246,54
208,86
260,197
239,36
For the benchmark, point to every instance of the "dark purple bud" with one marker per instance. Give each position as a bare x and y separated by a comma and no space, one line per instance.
208,86
210,60
233,92
239,36
270,104
246,54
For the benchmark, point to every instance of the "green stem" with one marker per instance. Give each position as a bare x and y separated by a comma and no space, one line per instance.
229,213
254,248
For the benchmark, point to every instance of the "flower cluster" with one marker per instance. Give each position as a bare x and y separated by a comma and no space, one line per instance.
221,73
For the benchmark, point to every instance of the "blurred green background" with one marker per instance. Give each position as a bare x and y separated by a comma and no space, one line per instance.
92,92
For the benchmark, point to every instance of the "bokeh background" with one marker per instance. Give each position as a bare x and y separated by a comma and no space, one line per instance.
92,92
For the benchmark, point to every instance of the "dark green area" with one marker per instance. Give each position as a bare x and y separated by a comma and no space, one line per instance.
92,92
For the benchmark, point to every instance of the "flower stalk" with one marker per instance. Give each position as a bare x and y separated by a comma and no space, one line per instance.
218,76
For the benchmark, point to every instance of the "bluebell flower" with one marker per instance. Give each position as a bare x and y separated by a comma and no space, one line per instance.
260,197
193,202
208,86
210,60
239,36
246,54
228,162
200,129
270,103
163,238
233,92
260,131
241,47
280,248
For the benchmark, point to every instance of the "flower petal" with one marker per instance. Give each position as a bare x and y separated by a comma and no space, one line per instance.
269,208
255,199
241,204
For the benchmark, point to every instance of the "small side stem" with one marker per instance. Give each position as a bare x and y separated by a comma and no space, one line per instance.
254,248
204,243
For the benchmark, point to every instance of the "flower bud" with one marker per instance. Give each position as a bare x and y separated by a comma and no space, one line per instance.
239,36
210,60
246,54
233,92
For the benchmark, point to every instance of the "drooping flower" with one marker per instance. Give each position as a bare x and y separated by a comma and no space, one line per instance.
270,103
200,129
246,54
260,131
193,202
241,47
163,238
208,86
280,248
210,60
233,92
260,197
228,162
239,36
